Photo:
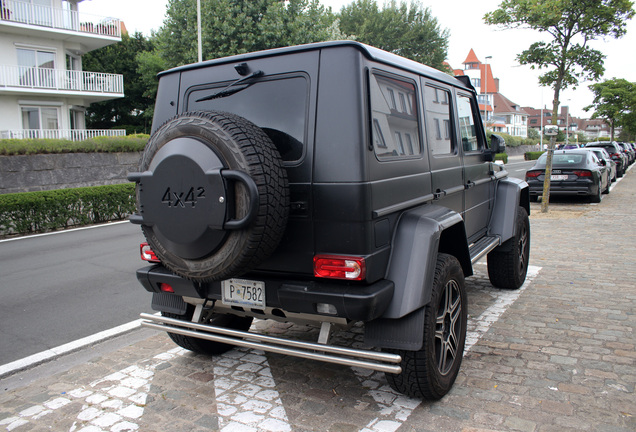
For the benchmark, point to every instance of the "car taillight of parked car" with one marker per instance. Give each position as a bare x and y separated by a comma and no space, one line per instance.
533,174
583,173
147,254
339,267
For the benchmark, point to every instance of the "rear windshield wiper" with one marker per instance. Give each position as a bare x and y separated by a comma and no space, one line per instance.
231,89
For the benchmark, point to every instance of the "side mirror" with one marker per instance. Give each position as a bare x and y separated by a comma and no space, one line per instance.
497,144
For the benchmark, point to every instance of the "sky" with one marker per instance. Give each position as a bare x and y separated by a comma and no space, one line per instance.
464,20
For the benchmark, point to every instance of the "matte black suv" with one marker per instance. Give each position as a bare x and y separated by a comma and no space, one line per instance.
333,184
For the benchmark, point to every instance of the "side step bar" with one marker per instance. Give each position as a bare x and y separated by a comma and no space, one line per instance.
482,247
379,361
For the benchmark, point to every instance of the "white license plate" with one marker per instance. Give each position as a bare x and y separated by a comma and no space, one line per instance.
558,177
243,292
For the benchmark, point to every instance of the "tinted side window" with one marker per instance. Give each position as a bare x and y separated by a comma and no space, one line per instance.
468,131
438,121
278,106
394,118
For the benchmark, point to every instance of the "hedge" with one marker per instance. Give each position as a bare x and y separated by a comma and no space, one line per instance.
33,212
502,157
534,155
103,144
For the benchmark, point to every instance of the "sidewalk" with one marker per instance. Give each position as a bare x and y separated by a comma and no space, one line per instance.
562,357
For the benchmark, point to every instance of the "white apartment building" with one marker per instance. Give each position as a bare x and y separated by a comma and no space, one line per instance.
44,91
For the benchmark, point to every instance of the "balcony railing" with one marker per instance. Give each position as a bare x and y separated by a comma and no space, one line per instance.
69,134
60,80
45,16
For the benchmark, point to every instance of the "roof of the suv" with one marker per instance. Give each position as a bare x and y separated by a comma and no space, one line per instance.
369,51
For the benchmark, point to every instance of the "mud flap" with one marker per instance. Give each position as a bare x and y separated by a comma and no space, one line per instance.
405,333
169,303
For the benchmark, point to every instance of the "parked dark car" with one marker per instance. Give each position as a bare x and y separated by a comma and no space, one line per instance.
574,172
615,153
629,151
605,159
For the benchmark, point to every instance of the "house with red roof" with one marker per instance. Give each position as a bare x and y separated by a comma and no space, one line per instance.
499,112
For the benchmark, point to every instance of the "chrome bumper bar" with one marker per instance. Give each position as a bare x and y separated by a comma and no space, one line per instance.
383,362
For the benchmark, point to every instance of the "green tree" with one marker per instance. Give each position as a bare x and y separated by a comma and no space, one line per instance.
614,101
232,27
407,30
533,134
128,112
569,26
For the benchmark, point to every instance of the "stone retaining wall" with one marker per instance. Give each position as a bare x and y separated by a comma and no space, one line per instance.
26,173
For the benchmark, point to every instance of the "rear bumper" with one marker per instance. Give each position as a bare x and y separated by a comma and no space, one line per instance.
567,189
356,302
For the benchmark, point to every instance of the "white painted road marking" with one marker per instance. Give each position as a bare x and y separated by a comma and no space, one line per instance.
245,390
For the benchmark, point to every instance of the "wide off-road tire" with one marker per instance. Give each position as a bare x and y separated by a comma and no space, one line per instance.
430,372
203,346
222,142
508,263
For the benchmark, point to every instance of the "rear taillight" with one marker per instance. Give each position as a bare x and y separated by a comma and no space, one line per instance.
147,254
533,174
339,267
583,173
164,287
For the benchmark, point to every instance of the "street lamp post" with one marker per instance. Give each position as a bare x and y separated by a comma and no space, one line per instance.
486,92
567,126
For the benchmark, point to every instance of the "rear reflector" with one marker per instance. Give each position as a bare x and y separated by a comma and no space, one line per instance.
147,254
339,267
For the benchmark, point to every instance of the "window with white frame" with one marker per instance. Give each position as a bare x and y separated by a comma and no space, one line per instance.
36,118
37,67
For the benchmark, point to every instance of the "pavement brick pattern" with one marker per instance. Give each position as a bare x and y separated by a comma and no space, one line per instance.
557,355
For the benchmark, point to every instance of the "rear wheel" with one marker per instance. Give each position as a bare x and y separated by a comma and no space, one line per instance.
206,347
430,372
508,263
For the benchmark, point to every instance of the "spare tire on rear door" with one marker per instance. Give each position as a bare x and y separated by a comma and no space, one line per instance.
212,195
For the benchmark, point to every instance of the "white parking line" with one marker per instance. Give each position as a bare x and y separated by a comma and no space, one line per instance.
245,391
63,231
49,354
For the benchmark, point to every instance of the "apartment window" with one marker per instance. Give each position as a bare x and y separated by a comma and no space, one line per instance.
36,12
38,118
37,68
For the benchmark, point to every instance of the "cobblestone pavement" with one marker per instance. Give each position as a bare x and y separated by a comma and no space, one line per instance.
557,355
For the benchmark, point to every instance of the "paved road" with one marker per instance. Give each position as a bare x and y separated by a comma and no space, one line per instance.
61,287
557,355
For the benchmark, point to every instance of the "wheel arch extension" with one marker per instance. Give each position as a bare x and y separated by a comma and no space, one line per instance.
422,233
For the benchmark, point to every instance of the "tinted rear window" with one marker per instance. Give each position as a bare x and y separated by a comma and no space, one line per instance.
278,106
563,159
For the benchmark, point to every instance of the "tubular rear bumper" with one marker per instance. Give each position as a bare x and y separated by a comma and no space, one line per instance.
352,301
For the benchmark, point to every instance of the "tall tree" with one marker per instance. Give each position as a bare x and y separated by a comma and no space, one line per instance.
570,25
239,26
614,102
409,30
232,27
127,112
